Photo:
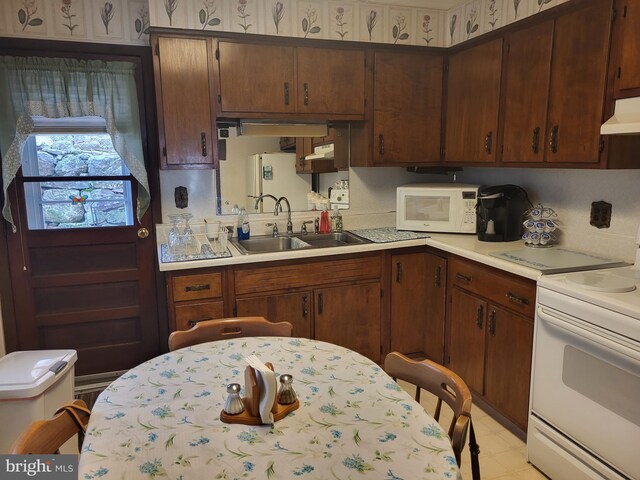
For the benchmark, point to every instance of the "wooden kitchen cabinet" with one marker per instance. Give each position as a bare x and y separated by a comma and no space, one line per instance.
472,103
490,335
319,298
418,295
260,80
194,297
295,308
626,49
183,98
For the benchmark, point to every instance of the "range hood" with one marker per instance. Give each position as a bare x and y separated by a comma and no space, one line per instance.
625,120
282,129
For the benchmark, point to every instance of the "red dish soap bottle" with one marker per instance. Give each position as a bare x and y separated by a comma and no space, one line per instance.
325,225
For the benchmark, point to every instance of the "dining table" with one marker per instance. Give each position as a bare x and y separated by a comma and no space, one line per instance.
161,419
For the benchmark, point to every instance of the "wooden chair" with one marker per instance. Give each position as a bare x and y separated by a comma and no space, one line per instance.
225,328
448,387
44,437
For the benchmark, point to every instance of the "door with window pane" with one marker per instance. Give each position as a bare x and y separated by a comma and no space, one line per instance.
82,267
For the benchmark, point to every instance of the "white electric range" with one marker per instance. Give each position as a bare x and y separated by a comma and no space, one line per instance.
584,420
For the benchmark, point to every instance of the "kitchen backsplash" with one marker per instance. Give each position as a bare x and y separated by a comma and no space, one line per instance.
128,21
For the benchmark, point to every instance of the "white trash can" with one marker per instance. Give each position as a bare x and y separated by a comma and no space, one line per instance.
33,385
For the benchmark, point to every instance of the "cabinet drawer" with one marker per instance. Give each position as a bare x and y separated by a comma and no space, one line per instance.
510,291
194,287
307,274
188,315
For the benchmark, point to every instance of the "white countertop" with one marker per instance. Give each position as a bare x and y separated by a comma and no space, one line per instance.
466,246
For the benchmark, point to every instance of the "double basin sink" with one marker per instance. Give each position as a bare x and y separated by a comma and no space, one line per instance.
299,241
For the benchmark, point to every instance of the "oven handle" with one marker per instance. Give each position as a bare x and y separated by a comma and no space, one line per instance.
564,323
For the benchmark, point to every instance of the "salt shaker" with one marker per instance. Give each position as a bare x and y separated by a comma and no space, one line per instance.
233,405
286,395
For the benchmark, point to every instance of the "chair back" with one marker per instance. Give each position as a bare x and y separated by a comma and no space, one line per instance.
225,328
444,384
44,437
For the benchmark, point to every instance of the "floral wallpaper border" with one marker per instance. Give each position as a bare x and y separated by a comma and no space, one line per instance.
128,21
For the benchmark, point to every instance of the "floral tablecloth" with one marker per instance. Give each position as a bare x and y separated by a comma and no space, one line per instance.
161,420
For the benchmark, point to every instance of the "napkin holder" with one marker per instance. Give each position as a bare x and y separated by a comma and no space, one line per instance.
251,413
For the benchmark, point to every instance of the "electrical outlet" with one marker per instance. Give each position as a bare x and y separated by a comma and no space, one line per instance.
600,214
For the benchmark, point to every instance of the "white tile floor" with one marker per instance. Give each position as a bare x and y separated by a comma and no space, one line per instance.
502,454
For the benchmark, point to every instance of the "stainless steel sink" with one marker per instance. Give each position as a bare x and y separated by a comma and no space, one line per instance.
287,242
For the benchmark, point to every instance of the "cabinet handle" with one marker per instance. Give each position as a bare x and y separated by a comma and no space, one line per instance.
398,272
488,142
535,145
192,323
480,316
203,143
553,143
517,299
463,278
492,323
320,303
286,93
197,288
438,277
306,94
381,144
305,307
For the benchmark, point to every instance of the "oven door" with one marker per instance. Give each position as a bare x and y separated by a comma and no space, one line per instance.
586,384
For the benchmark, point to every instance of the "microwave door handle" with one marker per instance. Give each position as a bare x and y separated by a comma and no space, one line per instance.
562,323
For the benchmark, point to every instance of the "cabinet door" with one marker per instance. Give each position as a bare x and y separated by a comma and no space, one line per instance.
472,103
627,49
188,314
578,79
256,78
349,316
294,308
526,72
435,293
466,340
185,113
407,108
330,81
508,367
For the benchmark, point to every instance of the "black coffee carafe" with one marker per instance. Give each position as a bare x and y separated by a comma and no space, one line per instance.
499,213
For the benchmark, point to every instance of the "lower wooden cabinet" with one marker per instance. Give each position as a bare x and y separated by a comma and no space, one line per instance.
194,297
418,296
295,308
490,335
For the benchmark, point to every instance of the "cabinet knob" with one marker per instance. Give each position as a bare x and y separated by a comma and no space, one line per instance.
203,143
320,303
381,144
535,144
553,143
306,94
305,307
517,299
463,278
438,277
286,93
488,142
492,323
480,316
398,272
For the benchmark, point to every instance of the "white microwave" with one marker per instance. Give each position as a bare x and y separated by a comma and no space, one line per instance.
437,207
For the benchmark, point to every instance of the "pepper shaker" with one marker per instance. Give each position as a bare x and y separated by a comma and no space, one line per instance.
233,405
286,395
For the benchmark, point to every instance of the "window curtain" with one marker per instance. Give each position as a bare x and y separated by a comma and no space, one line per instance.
61,87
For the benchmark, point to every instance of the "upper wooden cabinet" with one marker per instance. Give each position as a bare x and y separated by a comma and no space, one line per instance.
472,103
626,49
407,108
185,113
263,80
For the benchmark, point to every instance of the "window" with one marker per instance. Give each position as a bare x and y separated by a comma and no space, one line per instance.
74,178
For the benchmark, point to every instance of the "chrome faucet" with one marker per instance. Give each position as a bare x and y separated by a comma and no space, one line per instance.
279,209
259,199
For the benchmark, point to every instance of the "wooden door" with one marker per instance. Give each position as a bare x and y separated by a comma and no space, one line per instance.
472,103
330,81
183,98
349,316
295,308
508,368
578,80
435,293
407,103
256,78
92,290
626,49
466,338
526,89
